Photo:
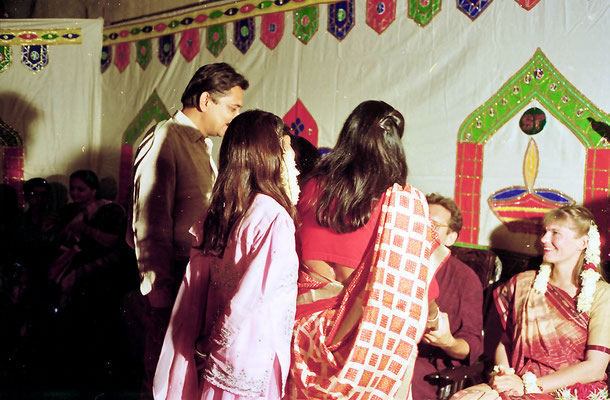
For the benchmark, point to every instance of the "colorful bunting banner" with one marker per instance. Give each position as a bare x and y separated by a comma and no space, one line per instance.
35,57
341,18
189,44
216,39
202,17
302,123
422,11
527,4
106,58
272,29
473,8
166,50
5,58
380,14
31,37
121,56
243,34
143,53
305,23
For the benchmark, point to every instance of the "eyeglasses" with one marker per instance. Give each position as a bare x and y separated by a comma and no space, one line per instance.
438,225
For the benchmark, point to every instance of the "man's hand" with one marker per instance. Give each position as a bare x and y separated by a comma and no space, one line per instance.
479,392
441,336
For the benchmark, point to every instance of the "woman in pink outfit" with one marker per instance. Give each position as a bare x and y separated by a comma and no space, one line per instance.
230,330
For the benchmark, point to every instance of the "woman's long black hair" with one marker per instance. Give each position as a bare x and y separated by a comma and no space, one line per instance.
367,159
250,162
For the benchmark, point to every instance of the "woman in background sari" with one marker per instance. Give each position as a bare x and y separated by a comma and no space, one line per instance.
368,253
555,343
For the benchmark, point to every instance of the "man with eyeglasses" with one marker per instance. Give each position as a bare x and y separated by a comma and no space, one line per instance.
458,337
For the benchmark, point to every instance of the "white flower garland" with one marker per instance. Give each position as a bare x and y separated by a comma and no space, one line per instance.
589,276
566,394
530,383
289,174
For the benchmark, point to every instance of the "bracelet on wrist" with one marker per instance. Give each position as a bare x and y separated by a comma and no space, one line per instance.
435,318
530,383
496,371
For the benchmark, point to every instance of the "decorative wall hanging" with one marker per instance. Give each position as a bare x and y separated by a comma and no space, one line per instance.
189,44
341,18
527,4
202,17
152,111
422,11
305,23
5,58
12,158
272,29
143,52
538,79
243,34
167,49
520,208
35,57
302,123
28,37
106,58
380,14
121,56
472,8
216,39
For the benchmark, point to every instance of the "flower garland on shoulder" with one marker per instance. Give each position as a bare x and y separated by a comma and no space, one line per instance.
589,275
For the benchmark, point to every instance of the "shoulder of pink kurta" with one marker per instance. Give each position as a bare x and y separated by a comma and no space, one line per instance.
599,323
263,212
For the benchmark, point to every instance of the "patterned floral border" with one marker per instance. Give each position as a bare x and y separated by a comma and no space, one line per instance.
202,17
540,80
21,37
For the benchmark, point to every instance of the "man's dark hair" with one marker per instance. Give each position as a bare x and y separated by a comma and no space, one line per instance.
455,223
214,79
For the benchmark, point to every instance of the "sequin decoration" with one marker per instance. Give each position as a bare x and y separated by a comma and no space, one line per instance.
473,8
122,55
532,121
527,4
305,23
272,29
189,44
243,34
143,53
422,11
380,14
106,58
302,123
216,39
35,57
166,49
5,58
341,18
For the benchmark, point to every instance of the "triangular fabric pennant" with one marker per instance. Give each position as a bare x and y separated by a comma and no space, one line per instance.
422,11
341,18
35,57
301,122
189,44
305,23
106,58
167,49
272,29
122,55
473,8
216,39
143,53
243,34
527,4
5,58
380,14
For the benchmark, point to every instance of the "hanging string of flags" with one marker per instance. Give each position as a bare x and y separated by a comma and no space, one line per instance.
160,32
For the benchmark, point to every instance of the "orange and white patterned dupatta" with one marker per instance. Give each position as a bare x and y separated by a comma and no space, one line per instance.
365,345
